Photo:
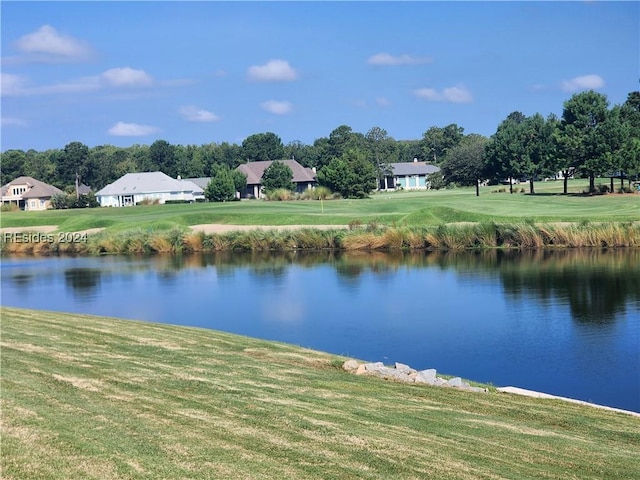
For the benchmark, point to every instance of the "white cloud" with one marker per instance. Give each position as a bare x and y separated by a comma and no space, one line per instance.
14,85
46,44
12,122
273,71
276,107
404,59
195,114
585,82
122,129
456,94
126,77
11,84
382,102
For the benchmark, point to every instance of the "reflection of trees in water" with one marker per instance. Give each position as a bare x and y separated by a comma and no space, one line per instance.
596,285
83,281
22,279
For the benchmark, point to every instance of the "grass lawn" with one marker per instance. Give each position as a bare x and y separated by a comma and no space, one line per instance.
90,397
395,208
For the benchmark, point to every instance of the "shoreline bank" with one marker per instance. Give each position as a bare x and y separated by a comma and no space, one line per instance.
354,237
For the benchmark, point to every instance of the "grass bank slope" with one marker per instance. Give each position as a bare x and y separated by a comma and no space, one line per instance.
89,397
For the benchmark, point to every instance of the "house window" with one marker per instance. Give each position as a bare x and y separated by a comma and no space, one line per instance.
41,203
33,204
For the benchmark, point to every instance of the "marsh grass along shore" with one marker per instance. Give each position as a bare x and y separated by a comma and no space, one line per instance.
372,237
432,220
94,397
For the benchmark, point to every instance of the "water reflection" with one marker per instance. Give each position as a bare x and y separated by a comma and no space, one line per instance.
597,285
83,281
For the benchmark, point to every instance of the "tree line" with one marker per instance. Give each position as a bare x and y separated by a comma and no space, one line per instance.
590,139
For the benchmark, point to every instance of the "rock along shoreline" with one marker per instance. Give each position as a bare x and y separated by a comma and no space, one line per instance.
405,374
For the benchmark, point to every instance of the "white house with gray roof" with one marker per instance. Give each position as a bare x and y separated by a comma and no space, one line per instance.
133,188
408,176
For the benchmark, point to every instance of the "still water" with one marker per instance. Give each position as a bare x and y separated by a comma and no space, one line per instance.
566,323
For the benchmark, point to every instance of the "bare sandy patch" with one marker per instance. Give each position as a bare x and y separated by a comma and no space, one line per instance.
41,229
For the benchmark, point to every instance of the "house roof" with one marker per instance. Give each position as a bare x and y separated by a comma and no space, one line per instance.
255,170
37,188
148,182
413,168
84,189
202,182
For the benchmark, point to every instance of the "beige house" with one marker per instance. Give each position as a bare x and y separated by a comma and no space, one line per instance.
28,193
303,178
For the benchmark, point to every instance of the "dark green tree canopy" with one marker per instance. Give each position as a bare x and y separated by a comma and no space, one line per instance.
437,141
277,175
262,147
72,162
221,187
351,175
162,156
465,162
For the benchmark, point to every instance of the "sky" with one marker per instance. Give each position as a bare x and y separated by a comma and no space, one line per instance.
193,73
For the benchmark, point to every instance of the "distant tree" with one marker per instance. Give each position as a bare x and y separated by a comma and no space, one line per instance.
436,142
305,155
506,153
408,150
72,164
585,144
262,147
277,175
12,165
162,156
351,175
221,187
380,147
239,180
340,140
630,152
465,162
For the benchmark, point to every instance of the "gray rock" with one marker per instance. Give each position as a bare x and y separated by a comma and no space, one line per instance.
393,374
455,382
373,366
401,367
426,376
350,365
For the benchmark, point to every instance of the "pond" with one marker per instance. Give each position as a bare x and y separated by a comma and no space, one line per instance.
561,322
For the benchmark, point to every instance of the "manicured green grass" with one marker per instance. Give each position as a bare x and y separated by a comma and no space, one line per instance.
394,208
89,397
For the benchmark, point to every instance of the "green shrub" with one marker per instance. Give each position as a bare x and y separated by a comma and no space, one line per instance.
9,207
280,194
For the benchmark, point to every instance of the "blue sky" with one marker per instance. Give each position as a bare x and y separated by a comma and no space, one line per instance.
124,73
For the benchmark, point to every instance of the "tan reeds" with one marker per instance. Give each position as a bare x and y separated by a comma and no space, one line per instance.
451,237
